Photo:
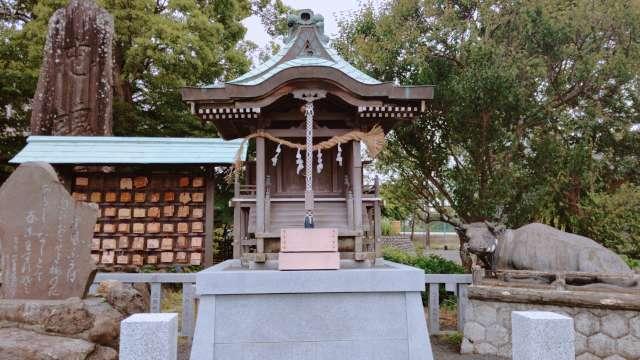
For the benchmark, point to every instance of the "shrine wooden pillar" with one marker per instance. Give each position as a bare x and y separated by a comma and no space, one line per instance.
377,220
356,181
260,194
237,246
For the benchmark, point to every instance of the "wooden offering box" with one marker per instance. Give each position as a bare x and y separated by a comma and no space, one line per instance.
309,249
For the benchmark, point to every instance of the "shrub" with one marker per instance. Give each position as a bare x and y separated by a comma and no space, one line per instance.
431,264
385,225
633,263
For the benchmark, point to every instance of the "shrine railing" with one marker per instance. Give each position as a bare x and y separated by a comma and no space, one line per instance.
155,281
455,283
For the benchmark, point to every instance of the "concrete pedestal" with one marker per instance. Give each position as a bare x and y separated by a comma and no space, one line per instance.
149,336
351,313
542,335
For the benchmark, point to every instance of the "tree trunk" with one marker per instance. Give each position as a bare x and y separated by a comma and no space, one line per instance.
427,237
123,89
465,257
413,226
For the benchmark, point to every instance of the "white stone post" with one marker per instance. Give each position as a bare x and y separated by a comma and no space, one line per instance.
149,336
542,335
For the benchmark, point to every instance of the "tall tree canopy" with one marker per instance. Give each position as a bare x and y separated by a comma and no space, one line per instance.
160,45
534,108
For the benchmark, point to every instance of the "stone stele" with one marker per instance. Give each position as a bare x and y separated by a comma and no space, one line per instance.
45,236
74,93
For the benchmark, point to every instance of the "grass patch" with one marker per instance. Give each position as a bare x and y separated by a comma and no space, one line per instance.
172,302
453,339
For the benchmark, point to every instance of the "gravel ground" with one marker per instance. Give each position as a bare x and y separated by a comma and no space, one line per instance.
442,350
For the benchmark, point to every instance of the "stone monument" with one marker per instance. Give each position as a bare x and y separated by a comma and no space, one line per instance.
45,236
74,94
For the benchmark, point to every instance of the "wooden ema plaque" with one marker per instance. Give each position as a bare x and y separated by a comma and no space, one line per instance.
145,219
309,249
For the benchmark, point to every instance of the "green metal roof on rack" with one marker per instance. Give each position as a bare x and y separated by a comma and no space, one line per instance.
128,150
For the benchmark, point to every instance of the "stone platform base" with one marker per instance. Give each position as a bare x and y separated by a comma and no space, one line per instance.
600,333
352,313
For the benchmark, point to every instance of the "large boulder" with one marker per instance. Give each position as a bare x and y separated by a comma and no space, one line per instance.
29,345
127,299
86,329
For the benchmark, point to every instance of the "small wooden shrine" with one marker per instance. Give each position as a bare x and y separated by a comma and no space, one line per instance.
306,97
155,195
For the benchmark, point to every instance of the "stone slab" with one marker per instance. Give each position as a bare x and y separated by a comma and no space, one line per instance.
310,317
151,336
309,261
45,236
308,240
542,335
229,278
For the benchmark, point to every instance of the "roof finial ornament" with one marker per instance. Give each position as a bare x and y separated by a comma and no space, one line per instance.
306,17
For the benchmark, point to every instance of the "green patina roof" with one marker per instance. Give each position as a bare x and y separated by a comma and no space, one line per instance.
128,150
306,46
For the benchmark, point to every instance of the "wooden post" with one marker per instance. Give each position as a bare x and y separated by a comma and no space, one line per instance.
260,177
267,204
209,220
377,220
356,183
463,302
434,308
237,248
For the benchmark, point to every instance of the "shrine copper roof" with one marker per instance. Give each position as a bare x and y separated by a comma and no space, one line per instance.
306,55
277,64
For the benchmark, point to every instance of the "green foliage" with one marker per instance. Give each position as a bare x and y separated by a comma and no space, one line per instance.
385,226
534,104
633,263
454,339
613,219
148,269
431,264
394,208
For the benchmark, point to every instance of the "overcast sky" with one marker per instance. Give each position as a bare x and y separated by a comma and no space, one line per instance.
330,9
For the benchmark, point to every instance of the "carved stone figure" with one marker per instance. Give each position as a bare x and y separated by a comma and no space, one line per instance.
541,248
74,93
45,236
